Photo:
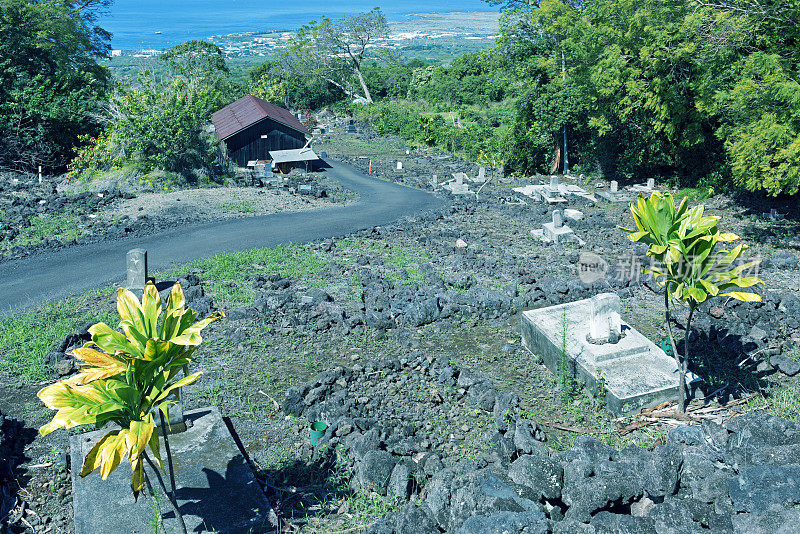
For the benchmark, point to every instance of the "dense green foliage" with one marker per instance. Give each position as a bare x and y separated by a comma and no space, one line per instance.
680,90
50,84
156,122
669,88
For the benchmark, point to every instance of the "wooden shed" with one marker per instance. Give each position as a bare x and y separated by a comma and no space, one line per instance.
250,128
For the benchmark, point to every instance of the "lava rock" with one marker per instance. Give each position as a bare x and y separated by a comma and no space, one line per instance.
375,470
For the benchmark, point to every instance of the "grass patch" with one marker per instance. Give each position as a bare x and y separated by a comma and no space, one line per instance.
696,193
243,206
228,275
63,227
26,338
780,401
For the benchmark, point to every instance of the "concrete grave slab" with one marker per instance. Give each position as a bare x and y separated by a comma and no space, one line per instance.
456,186
215,487
556,231
633,372
613,194
648,188
573,215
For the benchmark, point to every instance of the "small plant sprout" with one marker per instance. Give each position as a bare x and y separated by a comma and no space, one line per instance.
124,378
682,244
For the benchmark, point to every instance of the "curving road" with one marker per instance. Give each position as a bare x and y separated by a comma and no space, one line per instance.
30,281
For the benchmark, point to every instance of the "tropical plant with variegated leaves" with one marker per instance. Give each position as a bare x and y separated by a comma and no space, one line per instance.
682,244
124,377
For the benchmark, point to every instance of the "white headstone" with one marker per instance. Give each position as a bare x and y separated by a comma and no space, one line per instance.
137,269
399,165
604,321
434,180
554,182
459,176
481,174
614,186
558,219
651,183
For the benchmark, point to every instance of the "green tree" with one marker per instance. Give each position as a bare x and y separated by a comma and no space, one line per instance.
51,87
264,83
159,124
751,61
336,51
202,64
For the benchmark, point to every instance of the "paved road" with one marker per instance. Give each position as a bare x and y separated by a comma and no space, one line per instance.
30,281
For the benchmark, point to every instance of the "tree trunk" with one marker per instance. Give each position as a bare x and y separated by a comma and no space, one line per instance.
685,365
676,355
346,91
367,96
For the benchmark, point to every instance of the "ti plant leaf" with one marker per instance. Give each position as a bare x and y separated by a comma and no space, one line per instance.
124,375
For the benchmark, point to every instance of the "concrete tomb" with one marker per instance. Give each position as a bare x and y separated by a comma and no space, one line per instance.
457,185
573,215
556,231
481,175
136,264
603,352
649,187
215,488
613,194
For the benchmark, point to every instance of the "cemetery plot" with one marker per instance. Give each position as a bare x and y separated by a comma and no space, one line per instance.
588,340
215,486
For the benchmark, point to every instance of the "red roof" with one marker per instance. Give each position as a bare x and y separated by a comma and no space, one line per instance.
249,110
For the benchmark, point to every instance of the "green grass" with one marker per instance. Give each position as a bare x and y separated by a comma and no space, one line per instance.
228,275
696,193
782,402
64,226
242,206
25,338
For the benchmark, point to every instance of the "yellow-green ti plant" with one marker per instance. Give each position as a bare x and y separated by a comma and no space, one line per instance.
123,377
682,244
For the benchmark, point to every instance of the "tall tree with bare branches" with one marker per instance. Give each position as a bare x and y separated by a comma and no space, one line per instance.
335,51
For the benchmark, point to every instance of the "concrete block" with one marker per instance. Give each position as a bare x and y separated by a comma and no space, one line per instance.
634,373
216,489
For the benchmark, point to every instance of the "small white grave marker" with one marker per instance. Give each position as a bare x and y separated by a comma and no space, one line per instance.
399,165
136,269
558,219
614,186
554,182
605,322
651,183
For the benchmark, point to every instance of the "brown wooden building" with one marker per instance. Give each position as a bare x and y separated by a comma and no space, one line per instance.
250,128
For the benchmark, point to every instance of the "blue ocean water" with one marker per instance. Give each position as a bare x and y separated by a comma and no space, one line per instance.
162,23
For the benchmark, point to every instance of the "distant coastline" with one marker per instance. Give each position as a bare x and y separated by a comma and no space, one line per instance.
155,24
432,36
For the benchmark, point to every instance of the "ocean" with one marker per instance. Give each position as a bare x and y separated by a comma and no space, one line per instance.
139,24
